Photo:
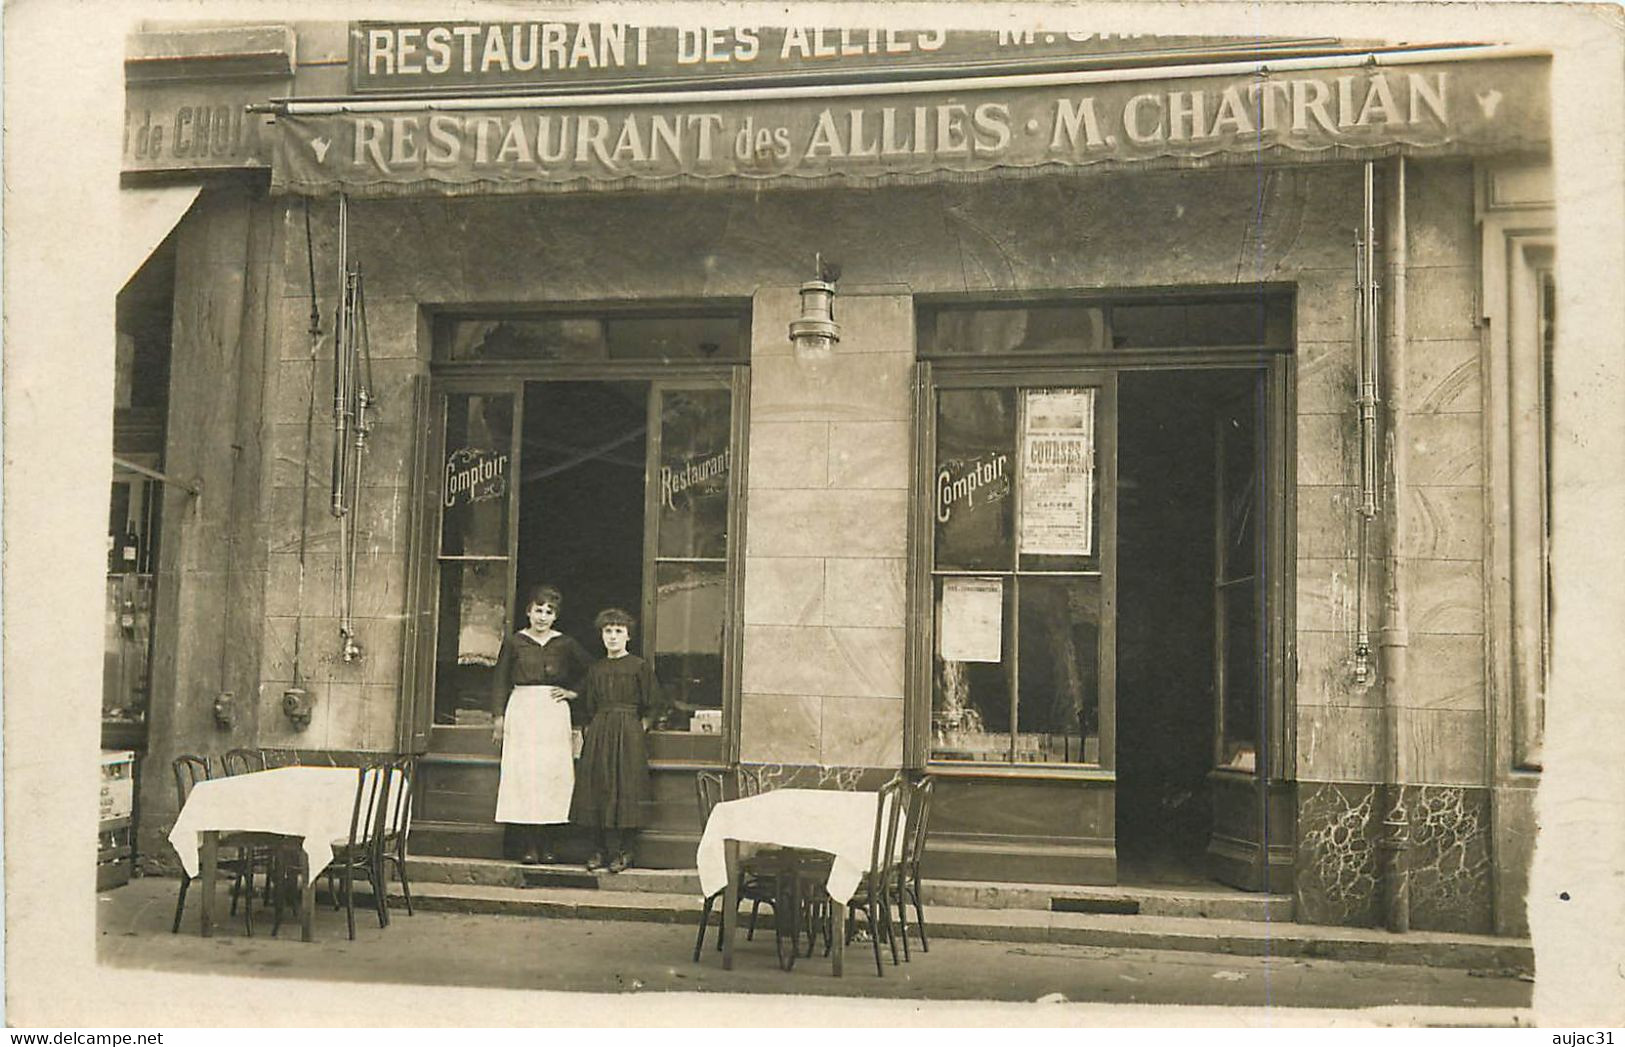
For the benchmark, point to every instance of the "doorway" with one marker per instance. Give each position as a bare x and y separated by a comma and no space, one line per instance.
581,500
1190,641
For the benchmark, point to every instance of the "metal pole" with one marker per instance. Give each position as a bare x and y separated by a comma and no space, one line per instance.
341,338
1393,635
190,488
1365,348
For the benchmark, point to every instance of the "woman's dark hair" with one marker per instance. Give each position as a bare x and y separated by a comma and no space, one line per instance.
613,616
540,594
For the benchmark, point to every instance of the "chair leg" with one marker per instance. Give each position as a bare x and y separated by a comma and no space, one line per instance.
902,922
891,930
919,915
273,887
349,898
248,896
705,918
380,895
874,934
755,907
180,903
400,870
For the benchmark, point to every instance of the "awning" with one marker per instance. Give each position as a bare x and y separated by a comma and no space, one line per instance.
146,216
1455,102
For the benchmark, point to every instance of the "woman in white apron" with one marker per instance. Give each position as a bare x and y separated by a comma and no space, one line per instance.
538,678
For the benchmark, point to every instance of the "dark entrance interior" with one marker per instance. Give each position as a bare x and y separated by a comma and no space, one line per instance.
581,507
1166,618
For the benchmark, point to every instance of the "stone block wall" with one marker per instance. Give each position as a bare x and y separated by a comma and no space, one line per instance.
827,538
355,702
210,584
1442,716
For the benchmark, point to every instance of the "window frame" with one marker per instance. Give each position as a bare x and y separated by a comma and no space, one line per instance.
924,573
1277,361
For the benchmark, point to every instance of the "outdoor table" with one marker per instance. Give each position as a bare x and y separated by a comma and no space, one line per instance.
840,824
310,804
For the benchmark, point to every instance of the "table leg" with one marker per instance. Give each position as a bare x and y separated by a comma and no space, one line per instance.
307,897
837,942
209,861
730,902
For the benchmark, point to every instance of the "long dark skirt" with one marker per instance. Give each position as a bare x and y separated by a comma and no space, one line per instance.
612,779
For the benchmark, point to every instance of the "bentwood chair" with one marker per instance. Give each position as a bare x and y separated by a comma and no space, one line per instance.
907,890
707,794
236,852
873,896
360,851
249,761
763,876
242,761
748,781
397,824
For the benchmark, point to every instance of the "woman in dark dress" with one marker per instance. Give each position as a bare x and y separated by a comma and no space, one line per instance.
621,695
537,681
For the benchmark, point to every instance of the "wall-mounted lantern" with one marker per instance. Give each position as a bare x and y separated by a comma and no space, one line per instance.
815,331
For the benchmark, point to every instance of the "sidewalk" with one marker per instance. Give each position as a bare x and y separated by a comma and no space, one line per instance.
450,943
1184,920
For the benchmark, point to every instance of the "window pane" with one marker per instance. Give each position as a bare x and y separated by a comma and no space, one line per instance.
970,704
695,462
1238,444
1058,488
1241,676
473,621
475,475
1006,329
576,338
691,604
1058,707
974,509
1257,320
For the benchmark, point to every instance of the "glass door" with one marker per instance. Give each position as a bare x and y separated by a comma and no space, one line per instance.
1250,845
621,493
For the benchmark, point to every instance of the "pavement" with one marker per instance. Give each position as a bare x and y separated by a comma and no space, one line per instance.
551,947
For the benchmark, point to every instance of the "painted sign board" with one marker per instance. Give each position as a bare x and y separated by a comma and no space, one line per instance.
196,126
407,57
875,135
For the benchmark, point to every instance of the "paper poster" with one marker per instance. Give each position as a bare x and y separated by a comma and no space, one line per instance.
972,627
1058,473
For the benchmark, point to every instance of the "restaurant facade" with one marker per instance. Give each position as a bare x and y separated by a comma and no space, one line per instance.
1145,436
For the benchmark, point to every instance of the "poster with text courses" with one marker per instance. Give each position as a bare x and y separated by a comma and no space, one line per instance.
1058,473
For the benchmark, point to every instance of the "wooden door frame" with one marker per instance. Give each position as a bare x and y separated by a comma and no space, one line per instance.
416,705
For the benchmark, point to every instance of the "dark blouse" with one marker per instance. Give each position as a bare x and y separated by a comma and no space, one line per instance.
523,662
625,683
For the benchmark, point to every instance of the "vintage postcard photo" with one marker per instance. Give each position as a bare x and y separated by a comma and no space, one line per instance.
813,514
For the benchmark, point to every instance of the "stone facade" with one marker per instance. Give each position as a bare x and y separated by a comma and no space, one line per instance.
826,551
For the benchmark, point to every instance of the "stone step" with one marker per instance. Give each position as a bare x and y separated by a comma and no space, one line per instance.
1188,902
1181,934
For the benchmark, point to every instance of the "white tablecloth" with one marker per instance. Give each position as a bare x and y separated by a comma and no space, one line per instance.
839,823
310,802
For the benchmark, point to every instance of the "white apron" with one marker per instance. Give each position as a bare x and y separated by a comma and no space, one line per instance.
538,772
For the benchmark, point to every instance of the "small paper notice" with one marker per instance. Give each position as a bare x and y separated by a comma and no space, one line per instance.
972,620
